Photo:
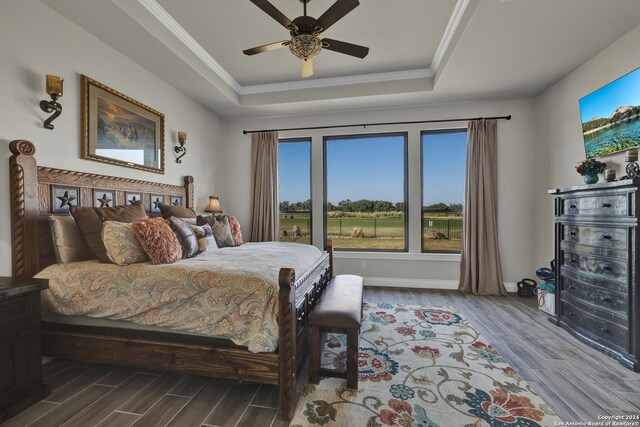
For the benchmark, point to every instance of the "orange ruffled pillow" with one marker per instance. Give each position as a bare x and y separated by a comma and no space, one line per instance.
158,240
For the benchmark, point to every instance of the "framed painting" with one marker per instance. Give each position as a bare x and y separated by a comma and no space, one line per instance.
119,130
156,199
104,198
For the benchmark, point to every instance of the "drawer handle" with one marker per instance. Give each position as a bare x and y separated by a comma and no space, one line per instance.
571,287
573,232
606,205
572,314
573,260
572,206
605,237
604,330
605,299
605,268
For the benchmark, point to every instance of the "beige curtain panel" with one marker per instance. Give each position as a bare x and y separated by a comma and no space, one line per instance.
481,270
264,187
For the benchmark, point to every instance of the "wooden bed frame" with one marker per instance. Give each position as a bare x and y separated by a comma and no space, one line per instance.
32,199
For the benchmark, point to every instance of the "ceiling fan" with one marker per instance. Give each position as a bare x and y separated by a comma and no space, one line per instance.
305,42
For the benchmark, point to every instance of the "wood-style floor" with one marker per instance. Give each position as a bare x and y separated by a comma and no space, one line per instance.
577,382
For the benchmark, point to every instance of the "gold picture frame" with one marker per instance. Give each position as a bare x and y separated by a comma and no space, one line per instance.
119,130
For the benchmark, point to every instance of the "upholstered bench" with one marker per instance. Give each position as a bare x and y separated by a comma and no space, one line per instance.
339,311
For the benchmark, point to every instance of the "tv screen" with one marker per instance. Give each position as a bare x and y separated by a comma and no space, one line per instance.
611,116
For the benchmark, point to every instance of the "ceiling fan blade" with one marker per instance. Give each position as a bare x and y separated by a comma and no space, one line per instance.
346,48
273,12
266,47
336,12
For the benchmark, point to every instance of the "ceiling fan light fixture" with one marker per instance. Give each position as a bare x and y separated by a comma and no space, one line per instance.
306,67
305,46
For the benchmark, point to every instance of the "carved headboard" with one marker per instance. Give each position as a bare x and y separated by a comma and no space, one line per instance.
38,192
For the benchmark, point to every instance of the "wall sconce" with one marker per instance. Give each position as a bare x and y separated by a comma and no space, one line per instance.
182,139
54,88
214,205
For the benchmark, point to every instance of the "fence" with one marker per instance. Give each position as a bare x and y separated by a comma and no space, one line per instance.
433,222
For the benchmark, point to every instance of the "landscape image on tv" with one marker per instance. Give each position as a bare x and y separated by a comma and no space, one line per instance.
611,116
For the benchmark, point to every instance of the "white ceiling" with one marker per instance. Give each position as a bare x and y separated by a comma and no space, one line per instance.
421,51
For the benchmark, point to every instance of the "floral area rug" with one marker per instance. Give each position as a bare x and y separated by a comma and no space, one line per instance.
421,367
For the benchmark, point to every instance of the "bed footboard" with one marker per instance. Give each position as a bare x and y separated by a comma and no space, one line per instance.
297,299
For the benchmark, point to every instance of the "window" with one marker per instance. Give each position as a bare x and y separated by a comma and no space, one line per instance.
443,174
294,172
366,191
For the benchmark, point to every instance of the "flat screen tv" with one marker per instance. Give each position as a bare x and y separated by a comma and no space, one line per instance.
611,116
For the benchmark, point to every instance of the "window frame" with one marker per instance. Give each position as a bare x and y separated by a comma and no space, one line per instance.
422,134
328,138
298,140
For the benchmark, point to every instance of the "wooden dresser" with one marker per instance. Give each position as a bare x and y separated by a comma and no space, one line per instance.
597,291
20,345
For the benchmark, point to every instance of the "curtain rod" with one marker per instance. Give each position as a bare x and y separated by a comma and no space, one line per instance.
380,124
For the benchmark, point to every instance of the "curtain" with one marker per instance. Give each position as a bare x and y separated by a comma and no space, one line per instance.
481,270
264,186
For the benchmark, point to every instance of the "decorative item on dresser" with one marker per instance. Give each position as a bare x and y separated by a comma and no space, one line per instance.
20,345
597,282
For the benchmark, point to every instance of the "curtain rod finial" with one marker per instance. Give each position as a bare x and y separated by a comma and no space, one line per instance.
508,117
244,132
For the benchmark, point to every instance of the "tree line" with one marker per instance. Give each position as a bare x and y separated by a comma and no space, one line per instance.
365,205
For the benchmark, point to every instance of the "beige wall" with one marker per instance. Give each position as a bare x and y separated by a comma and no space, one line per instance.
516,172
34,41
559,134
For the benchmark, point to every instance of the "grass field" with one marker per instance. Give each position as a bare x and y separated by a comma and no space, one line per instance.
384,230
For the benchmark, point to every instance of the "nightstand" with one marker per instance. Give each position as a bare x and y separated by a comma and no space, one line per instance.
20,345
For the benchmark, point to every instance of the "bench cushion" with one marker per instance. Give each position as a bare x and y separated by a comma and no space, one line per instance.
341,304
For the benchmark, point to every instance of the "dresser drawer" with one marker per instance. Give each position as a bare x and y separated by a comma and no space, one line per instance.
596,296
607,267
606,205
14,310
614,334
602,237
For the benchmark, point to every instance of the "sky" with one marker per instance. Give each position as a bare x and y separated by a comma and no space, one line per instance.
373,168
602,102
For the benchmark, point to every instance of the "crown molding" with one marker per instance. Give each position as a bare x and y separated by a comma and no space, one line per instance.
450,30
187,39
161,14
337,81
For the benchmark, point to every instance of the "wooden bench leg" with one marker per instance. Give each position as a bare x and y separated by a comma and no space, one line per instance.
353,350
314,355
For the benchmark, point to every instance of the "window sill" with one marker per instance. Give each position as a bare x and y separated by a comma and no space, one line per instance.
401,256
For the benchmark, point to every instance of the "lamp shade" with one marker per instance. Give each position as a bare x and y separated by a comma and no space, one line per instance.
213,205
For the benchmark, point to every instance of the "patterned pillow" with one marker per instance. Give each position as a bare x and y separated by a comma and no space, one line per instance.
220,227
204,234
186,237
122,246
236,233
158,241
90,221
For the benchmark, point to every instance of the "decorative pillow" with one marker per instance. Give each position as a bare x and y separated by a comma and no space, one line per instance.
186,237
236,233
204,234
90,221
178,211
122,246
221,229
68,242
158,241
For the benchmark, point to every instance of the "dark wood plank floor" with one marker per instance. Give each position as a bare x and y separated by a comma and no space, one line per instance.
577,382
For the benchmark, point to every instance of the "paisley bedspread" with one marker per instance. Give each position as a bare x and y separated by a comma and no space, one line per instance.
230,292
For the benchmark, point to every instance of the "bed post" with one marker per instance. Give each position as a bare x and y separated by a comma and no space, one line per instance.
330,251
24,209
287,343
188,189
